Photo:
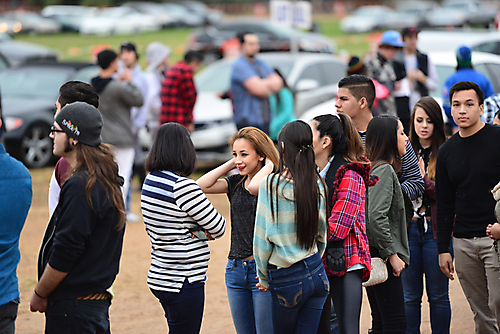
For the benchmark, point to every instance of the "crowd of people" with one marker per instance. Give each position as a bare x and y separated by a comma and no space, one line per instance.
370,195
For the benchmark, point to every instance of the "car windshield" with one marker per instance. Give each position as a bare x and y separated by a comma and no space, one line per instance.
217,77
33,81
444,72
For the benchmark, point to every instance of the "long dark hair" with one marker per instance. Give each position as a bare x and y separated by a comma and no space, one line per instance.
172,150
433,110
345,139
382,142
297,162
99,163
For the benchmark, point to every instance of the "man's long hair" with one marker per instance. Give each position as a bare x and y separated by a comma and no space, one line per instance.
99,163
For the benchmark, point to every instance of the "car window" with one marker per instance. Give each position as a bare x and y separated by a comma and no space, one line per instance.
33,81
494,76
443,72
491,47
231,27
86,74
333,72
313,72
214,78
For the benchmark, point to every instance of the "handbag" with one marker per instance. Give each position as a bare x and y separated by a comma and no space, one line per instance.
379,273
335,256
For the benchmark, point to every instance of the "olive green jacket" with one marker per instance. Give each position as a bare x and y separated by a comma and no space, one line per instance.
386,215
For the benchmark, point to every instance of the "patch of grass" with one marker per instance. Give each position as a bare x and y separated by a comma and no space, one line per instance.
76,47
351,44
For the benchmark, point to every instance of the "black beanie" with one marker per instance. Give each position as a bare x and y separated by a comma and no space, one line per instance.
81,121
105,58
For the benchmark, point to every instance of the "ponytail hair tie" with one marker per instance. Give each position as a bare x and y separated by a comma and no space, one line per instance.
304,147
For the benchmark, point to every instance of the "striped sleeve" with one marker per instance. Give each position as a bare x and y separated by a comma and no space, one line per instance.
410,178
191,199
262,247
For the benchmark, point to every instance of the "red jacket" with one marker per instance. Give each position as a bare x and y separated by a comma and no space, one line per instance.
178,95
347,220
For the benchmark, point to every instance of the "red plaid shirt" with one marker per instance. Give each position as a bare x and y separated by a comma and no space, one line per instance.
347,220
178,95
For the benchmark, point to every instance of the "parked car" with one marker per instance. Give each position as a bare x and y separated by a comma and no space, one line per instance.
484,41
118,20
210,16
446,63
33,22
68,16
17,52
160,12
369,18
420,9
475,11
182,16
272,37
10,26
312,77
29,93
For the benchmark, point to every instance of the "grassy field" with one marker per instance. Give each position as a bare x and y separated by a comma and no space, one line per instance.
73,46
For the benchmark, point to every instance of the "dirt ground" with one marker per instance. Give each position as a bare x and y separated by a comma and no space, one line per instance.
135,309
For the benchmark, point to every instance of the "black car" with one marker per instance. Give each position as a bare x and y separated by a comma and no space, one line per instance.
29,93
272,37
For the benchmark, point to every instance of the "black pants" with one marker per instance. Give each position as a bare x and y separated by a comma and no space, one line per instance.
347,293
8,315
387,305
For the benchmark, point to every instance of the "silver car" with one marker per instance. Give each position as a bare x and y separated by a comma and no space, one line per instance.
312,77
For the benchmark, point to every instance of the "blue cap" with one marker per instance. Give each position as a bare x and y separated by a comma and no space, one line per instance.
464,56
392,38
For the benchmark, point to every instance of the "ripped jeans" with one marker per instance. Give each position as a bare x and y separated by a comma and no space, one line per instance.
298,295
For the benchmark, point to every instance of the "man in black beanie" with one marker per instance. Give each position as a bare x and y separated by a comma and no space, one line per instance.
117,97
80,253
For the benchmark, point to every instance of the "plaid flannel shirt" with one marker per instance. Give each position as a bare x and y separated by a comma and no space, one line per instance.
347,220
178,95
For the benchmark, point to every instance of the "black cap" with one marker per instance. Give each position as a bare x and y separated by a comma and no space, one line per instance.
409,31
105,58
81,121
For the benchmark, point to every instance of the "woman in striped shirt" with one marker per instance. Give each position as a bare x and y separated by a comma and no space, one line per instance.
173,206
290,234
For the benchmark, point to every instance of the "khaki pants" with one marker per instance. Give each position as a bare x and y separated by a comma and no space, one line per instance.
477,267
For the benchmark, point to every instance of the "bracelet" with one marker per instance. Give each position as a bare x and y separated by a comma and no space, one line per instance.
36,293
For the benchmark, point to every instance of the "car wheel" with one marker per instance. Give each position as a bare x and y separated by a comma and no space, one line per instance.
36,146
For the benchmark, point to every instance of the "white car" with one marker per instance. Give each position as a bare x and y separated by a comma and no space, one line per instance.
484,41
369,18
445,62
118,20
312,77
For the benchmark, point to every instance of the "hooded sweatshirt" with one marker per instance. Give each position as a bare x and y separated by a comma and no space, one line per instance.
115,100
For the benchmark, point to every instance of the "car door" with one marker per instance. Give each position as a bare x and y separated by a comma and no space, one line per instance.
316,84
310,89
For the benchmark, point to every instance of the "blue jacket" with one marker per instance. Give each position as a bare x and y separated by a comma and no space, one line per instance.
15,202
465,74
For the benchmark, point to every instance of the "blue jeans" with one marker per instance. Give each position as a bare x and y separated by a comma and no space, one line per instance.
299,293
424,260
183,310
250,307
77,316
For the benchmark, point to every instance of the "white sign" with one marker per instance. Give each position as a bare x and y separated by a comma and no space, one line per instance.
292,13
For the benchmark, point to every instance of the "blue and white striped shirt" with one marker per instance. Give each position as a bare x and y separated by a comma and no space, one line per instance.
171,205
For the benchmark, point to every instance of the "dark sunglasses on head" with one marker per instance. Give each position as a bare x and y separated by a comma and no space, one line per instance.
53,130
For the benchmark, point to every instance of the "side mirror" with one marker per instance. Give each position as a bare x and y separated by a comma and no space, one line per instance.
306,85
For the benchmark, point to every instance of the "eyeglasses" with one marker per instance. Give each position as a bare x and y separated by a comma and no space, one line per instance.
53,130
